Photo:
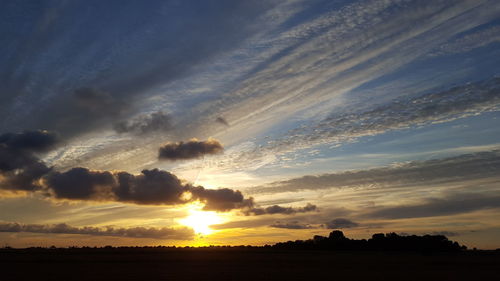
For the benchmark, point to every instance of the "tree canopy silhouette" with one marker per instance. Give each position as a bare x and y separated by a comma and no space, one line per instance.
379,242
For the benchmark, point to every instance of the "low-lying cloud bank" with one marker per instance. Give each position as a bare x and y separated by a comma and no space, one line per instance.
453,169
276,209
292,225
183,233
298,222
339,223
189,150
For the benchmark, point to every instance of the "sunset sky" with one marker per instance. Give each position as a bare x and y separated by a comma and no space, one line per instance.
248,122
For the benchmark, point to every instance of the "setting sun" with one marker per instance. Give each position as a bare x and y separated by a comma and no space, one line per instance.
201,221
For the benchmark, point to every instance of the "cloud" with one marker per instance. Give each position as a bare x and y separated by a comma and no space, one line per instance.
189,150
222,121
291,225
311,219
276,209
434,107
340,223
286,69
156,121
321,63
134,232
445,233
34,141
84,109
431,207
21,170
151,187
24,179
468,42
252,223
223,199
80,183
20,167
98,102
109,53
462,101
453,169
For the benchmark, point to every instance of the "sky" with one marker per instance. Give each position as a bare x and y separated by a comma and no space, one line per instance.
248,122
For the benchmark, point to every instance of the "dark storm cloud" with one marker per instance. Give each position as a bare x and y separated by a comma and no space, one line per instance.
223,199
189,150
36,141
151,187
118,51
134,232
454,169
156,121
276,209
20,167
340,223
450,205
291,225
78,183
25,179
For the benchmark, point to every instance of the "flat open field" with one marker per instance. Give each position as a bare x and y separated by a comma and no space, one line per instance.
241,264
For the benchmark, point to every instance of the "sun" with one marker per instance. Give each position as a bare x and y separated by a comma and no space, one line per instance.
200,221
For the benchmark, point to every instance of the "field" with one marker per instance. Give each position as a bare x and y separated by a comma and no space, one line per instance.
243,264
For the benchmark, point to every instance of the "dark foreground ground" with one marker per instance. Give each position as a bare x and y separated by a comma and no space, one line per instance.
244,264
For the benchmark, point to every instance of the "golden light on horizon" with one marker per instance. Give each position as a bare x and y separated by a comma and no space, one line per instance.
200,221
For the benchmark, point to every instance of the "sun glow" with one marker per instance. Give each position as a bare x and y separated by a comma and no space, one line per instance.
201,221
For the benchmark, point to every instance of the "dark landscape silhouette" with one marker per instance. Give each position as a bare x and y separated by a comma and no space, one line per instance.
335,241
382,257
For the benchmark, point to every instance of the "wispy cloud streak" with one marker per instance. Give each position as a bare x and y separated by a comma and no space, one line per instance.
431,207
431,108
454,169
